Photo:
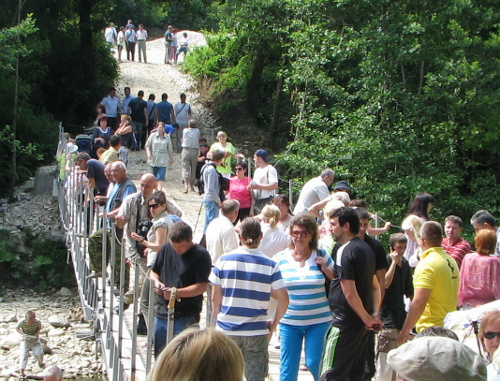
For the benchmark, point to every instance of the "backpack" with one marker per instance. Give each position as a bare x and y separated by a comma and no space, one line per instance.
223,183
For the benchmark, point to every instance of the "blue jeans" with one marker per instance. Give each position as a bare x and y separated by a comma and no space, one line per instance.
159,172
291,345
211,212
137,131
160,330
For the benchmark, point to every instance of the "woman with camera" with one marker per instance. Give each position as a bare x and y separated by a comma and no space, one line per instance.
156,237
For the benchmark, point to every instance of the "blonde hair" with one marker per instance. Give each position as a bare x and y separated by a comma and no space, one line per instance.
343,197
271,214
413,223
331,206
199,355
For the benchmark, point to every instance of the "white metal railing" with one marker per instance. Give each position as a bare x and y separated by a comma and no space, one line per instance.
116,333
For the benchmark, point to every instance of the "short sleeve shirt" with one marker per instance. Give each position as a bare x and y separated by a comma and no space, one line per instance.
180,271
95,170
353,261
164,110
263,176
439,272
378,250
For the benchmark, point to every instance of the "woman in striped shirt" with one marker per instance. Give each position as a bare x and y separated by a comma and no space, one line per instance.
304,268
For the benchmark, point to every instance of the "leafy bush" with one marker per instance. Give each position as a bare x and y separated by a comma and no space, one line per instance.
35,262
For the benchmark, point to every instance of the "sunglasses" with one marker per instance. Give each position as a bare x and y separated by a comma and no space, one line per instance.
491,335
300,233
239,169
154,206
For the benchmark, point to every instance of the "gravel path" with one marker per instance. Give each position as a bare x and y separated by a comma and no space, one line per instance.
157,78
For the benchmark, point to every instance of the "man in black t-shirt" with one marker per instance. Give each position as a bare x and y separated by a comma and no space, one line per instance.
354,301
183,264
138,110
380,270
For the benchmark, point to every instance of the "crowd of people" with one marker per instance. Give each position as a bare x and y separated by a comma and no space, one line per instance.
318,273
131,38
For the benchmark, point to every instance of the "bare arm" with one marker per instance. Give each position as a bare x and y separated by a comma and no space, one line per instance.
216,300
378,231
155,278
281,295
417,307
121,221
188,291
315,208
376,294
389,275
352,297
321,261
380,275
160,239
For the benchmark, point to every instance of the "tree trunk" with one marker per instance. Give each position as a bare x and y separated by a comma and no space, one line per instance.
254,84
86,42
276,112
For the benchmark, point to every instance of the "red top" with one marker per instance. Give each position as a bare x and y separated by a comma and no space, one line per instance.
238,191
458,250
479,280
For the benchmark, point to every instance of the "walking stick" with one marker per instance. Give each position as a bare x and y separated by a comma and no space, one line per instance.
170,314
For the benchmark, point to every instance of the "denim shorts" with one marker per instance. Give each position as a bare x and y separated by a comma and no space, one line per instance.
159,172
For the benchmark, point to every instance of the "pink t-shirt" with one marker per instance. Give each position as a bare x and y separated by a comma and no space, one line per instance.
238,191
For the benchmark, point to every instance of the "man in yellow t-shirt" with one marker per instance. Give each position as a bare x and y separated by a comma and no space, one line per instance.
111,154
435,281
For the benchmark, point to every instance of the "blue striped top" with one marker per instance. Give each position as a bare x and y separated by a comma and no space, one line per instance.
246,277
306,289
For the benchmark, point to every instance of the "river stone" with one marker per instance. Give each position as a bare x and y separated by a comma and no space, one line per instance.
12,318
65,292
58,321
56,332
56,305
10,341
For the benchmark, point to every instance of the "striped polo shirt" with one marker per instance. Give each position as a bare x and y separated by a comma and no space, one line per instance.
29,328
246,277
306,289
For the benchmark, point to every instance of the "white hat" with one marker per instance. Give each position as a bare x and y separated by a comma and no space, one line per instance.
436,358
72,148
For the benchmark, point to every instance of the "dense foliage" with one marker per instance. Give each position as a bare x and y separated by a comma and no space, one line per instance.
44,260
398,98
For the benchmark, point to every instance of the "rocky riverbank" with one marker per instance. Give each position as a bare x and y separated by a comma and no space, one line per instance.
66,336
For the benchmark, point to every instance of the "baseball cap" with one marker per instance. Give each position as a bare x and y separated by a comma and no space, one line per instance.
262,154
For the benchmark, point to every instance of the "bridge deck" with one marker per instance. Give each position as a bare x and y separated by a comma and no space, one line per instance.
120,367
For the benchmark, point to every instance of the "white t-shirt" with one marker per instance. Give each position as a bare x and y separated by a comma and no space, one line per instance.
265,176
273,240
221,237
312,192
110,34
